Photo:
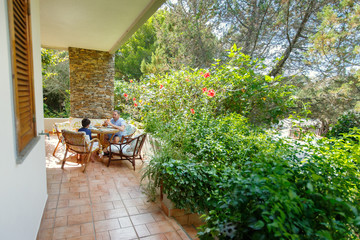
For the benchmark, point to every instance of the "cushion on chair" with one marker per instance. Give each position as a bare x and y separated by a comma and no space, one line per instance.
61,126
129,129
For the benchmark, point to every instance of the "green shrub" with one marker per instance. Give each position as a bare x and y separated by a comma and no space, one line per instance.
268,193
344,123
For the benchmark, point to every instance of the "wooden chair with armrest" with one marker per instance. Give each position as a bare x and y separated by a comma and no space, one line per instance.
129,150
57,129
80,144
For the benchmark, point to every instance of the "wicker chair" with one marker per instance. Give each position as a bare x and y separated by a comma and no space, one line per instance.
57,129
79,143
129,150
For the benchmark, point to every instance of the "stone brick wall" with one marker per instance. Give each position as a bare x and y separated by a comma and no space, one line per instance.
91,83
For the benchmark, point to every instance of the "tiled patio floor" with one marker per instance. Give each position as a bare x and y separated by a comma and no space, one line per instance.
102,203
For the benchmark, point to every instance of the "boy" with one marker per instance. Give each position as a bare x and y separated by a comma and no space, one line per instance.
85,123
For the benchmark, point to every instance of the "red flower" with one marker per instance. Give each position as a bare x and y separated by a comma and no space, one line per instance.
135,104
192,111
131,80
204,89
161,86
187,80
206,75
125,95
211,93
134,99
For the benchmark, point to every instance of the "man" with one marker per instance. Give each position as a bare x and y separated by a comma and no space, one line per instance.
118,123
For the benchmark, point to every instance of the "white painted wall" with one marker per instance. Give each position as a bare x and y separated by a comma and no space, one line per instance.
23,191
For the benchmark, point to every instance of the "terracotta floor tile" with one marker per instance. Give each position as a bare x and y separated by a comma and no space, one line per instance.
158,216
98,216
123,233
87,228
172,236
66,232
61,212
115,213
63,203
142,219
155,237
107,225
183,235
160,227
60,221
79,202
142,230
103,236
79,189
87,237
79,218
103,206
133,210
53,197
191,231
51,205
69,196
125,222
118,204
111,197
47,223
174,224
85,209
45,234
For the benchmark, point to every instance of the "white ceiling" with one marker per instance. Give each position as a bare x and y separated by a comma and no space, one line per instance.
92,24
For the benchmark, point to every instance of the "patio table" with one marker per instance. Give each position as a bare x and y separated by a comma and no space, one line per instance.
101,132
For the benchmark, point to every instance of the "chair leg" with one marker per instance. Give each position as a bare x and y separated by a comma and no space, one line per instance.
86,161
133,163
56,148
110,155
64,160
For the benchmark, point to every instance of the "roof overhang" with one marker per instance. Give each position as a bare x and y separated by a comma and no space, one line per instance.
102,25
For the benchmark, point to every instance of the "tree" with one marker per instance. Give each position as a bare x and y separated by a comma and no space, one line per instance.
56,82
270,29
139,47
186,35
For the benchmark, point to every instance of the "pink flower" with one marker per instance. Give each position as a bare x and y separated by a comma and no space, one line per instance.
204,89
125,95
161,86
201,73
135,104
211,93
206,75
134,99
131,80
192,111
187,80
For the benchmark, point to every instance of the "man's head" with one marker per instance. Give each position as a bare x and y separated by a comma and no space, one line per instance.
85,122
116,115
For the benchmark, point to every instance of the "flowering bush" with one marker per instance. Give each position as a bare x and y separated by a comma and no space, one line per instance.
247,185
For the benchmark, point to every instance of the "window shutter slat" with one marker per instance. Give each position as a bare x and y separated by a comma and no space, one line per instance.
20,33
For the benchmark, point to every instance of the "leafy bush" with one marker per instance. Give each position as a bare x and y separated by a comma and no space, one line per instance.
345,122
236,85
248,185
268,193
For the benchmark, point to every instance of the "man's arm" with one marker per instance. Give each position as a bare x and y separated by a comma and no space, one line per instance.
121,128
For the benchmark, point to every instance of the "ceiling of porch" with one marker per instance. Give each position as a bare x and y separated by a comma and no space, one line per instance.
92,24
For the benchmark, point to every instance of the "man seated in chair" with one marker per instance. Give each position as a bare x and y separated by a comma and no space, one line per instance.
118,123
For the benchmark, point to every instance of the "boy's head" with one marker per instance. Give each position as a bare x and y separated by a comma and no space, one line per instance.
85,122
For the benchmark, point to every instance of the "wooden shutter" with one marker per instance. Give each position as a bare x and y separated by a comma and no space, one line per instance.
19,21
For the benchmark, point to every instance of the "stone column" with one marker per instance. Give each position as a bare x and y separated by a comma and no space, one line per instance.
91,83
